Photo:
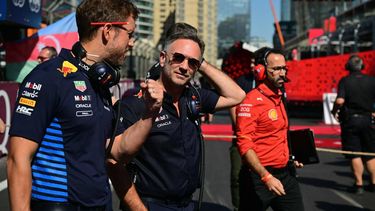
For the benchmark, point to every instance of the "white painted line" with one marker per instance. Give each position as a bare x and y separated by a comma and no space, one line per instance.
348,199
3,185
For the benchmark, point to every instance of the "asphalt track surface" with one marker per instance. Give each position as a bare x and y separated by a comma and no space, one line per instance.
324,185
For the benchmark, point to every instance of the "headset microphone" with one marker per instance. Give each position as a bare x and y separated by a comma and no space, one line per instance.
285,78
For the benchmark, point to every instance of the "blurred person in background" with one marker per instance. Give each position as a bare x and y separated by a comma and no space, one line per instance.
47,52
354,108
267,176
238,63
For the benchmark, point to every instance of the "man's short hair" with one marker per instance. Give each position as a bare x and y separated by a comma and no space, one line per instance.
354,64
183,31
52,51
262,54
89,11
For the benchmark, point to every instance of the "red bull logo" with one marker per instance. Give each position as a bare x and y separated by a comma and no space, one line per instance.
67,68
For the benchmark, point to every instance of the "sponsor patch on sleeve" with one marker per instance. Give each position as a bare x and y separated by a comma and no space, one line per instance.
26,101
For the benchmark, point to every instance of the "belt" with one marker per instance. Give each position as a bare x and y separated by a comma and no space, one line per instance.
277,170
179,203
37,205
360,115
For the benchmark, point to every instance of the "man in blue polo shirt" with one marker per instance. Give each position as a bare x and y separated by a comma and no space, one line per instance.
166,171
63,116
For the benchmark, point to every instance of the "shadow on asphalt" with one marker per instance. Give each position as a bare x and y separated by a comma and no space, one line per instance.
323,205
339,163
322,183
206,206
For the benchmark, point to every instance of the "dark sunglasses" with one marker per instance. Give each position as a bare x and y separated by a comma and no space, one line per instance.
279,68
178,58
117,25
42,59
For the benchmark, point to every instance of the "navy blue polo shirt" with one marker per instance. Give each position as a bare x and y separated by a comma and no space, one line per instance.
168,162
59,109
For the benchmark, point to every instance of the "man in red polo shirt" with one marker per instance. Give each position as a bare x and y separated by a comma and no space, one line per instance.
266,178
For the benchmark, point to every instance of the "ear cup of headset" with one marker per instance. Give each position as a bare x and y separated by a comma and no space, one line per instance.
349,64
100,73
193,103
103,74
260,72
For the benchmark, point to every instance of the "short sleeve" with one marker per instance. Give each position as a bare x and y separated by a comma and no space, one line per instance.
132,109
36,105
208,100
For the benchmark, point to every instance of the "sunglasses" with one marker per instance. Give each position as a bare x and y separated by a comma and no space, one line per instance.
279,68
42,58
178,58
117,25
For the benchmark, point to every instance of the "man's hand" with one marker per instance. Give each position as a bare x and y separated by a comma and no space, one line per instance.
298,164
153,93
274,185
2,126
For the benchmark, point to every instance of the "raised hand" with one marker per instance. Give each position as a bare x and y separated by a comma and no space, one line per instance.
153,93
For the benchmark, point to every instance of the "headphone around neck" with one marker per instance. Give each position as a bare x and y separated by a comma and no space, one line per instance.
101,74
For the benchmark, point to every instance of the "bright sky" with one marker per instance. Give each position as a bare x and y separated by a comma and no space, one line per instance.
262,19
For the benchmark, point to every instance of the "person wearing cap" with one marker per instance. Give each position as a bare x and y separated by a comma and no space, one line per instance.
166,171
267,177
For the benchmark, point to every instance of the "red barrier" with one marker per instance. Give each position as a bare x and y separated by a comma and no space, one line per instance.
311,78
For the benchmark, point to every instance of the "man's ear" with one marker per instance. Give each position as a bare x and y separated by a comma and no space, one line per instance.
162,58
106,33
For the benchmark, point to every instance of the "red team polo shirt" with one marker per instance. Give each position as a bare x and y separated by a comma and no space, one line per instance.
262,126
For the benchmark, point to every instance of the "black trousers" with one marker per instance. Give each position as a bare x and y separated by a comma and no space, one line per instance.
358,134
154,204
254,195
37,205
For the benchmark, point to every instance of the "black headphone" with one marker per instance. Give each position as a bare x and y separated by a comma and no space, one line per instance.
100,73
193,102
350,64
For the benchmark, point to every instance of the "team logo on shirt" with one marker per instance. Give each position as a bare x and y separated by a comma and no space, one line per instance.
67,68
80,85
32,95
80,98
34,86
26,101
272,114
162,117
24,110
244,110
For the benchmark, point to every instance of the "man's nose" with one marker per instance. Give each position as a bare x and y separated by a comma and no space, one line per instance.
185,64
